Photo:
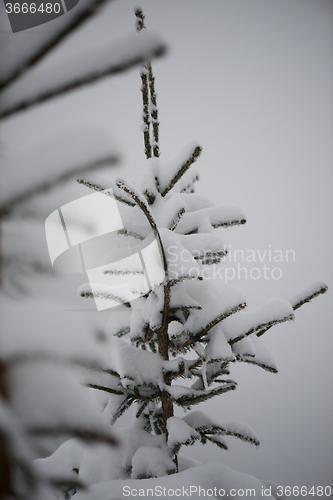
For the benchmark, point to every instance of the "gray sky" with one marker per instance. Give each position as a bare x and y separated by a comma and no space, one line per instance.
252,81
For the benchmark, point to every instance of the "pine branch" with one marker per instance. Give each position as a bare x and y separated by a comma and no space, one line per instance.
153,111
122,408
174,222
222,430
125,232
145,113
322,288
297,303
184,278
210,258
104,295
190,179
210,218
7,208
184,167
193,399
188,369
196,337
140,19
144,208
253,361
105,389
122,273
83,15
259,328
144,89
149,100
109,372
218,441
143,406
99,189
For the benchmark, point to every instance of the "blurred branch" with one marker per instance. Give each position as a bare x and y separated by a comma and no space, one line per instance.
83,15
7,208
73,431
113,68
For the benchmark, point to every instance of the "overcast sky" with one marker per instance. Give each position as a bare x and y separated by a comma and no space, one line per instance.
252,81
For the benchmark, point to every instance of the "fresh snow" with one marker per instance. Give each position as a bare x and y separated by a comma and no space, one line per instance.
207,477
180,432
205,219
218,348
149,461
168,170
135,366
310,291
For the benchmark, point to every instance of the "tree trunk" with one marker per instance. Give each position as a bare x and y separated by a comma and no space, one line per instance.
163,349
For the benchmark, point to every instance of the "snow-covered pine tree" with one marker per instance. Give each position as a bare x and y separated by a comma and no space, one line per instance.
186,328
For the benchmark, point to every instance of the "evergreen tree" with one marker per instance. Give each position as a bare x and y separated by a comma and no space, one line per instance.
186,327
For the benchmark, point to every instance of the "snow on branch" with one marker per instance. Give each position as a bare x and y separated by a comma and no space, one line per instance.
232,304
99,186
309,293
187,397
40,85
179,432
151,461
141,203
303,297
262,357
145,114
144,90
75,20
207,219
205,426
169,175
209,249
247,322
153,111
149,99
